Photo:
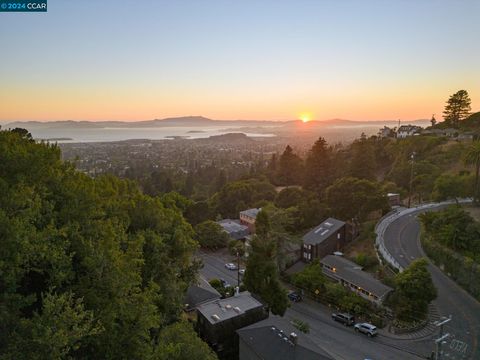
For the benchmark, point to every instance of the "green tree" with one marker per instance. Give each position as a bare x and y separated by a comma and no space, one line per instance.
355,198
472,157
311,278
178,342
243,194
211,235
457,108
448,186
289,197
261,275
290,168
90,268
414,291
236,247
318,166
363,163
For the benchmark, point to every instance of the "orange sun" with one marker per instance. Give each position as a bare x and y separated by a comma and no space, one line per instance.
305,117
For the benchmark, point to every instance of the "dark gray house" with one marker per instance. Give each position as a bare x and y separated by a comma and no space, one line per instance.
326,238
276,339
200,293
354,278
218,320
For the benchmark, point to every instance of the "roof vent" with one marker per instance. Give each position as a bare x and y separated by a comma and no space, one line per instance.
237,309
328,224
318,230
228,306
215,317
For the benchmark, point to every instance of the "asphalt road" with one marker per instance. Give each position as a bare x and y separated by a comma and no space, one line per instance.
341,342
344,343
214,267
402,240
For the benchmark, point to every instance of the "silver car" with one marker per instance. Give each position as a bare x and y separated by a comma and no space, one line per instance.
367,329
231,266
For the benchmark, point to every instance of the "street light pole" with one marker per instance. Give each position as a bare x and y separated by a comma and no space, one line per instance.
411,179
441,339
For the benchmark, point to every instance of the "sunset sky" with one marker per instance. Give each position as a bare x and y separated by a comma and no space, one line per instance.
249,59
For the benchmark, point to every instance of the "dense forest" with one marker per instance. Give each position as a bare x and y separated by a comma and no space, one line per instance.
90,268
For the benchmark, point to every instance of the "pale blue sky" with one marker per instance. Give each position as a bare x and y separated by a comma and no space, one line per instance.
135,60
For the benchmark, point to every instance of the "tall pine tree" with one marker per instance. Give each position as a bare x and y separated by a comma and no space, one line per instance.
457,108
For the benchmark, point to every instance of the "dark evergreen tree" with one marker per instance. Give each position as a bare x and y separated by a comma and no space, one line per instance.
362,163
457,108
318,167
290,168
261,276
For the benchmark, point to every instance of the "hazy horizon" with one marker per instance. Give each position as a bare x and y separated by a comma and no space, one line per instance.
6,121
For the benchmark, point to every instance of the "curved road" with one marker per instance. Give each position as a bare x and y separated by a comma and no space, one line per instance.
402,240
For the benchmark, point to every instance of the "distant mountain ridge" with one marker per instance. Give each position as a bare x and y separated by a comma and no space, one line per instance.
195,121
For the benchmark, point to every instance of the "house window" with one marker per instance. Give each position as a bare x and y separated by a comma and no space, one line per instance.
338,236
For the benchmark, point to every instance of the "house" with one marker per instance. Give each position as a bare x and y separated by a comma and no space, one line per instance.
234,229
386,132
248,218
268,342
218,320
329,236
354,278
200,293
408,130
393,199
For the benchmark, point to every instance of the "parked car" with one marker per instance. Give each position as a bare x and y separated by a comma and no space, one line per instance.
225,284
366,328
242,271
294,296
231,266
345,319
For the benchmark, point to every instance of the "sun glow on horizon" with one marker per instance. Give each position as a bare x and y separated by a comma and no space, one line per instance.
305,117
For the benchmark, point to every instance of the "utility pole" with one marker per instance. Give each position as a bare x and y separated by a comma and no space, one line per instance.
412,157
441,338
238,270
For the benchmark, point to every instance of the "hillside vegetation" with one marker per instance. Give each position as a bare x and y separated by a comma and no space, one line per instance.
89,268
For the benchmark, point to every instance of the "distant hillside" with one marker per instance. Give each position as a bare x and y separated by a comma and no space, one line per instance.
227,138
196,121
168,122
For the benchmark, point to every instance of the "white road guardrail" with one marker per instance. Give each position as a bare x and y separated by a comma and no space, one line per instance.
385,221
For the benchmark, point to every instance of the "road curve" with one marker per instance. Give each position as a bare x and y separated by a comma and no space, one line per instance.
402,240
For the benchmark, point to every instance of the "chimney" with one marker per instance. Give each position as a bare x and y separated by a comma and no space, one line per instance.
293,338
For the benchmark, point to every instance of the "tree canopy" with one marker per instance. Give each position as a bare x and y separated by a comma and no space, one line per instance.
90,268
355,198
261,275
414,290
211,235
457,108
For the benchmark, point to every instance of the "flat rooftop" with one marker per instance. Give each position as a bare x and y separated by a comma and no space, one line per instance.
223,309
